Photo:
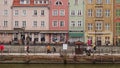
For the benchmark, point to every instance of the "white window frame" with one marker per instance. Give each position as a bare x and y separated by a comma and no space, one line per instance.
42,24
79,24
24,1
36,1
107,12
76,2
24,12
99,12
55,12
107,1
5,12
5,2
73,24
23,23
62,12
63,23
53,23
16,24
35,12
90,26
5,24
34,23
99,25
16,12
98,1
90,11
107,26
42,12
79,12
90,1
72,13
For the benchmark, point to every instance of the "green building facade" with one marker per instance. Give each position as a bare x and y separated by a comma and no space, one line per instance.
76,20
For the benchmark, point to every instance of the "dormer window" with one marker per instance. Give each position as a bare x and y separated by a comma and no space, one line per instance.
40,2
58,3
24,1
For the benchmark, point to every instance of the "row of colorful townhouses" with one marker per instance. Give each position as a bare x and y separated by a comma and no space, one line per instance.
50,21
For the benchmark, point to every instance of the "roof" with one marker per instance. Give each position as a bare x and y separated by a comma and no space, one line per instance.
17,3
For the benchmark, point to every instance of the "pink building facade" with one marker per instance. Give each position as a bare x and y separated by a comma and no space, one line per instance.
30,19
58,21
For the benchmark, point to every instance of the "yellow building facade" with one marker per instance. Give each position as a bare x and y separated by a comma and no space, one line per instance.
99,21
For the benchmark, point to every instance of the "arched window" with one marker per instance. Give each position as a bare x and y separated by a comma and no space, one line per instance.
58,3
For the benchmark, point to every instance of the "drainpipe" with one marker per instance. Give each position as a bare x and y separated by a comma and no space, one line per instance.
83,22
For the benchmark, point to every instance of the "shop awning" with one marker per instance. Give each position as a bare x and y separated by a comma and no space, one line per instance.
75,34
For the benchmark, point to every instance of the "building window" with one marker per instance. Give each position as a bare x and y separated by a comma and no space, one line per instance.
99,12
35,38
73,13
24,12
24,1
107,13
107,26
76,2
54,38
16,24
98,1
79,13
107,1
42,23
5,12
42,12
99,25
37,1
55,23
5,2
58,3
90,1
42,37
62,23
79,23
5,23
62,37
89,12
35,23
23,23
55,13
16,12
117,12
35,12
117,28
73,23
62,12
90,26
117,1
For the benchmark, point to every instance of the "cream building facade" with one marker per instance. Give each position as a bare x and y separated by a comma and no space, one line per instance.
5,20
99,21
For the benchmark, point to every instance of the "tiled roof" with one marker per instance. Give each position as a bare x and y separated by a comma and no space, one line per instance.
16,3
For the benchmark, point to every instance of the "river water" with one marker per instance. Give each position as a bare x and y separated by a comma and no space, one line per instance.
59,65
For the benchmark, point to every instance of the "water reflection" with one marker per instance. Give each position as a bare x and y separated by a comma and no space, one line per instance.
59,65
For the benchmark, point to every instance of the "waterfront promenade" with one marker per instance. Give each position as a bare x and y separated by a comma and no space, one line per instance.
38,54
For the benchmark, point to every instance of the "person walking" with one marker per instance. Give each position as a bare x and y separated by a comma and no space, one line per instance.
54,49
27,49
48,49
